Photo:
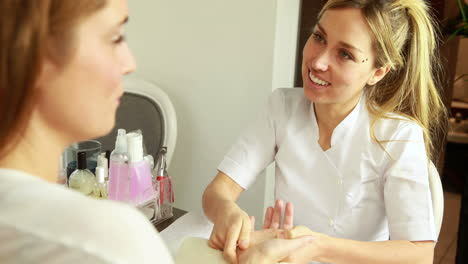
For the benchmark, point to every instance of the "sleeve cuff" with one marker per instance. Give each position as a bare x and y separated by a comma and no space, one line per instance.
413,231
237,173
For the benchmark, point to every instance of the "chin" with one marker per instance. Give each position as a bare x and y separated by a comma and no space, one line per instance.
99,130
105,130
313,96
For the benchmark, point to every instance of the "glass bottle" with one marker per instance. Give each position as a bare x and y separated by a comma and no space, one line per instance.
82,179
100,188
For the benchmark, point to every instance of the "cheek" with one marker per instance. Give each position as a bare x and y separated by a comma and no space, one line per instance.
350,79
309,51
103,75
81,101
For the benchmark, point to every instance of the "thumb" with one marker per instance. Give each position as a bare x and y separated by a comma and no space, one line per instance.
244,236
286,247
252,222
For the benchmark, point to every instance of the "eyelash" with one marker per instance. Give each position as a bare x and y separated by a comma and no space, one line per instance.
318,37
119,40
342,53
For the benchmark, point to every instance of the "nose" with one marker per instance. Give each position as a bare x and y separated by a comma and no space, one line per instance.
128,63
321,61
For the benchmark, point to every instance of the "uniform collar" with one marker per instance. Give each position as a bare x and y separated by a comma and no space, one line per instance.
344,127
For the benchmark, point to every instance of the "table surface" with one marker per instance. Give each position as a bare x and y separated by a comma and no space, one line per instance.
177,213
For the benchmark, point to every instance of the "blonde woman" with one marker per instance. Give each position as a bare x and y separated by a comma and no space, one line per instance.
352,147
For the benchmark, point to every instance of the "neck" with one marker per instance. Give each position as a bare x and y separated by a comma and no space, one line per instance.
329,116
38,152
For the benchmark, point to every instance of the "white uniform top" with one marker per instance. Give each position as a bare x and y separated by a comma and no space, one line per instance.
354,190
41,222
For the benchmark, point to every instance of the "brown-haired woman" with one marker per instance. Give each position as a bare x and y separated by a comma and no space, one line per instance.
61,64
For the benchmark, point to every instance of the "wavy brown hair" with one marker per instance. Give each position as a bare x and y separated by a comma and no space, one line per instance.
29,31
405,39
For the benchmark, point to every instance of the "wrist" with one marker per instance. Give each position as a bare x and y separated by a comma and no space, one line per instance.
224,208
327,248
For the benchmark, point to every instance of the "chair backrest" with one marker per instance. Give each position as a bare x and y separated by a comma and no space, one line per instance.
437,194
147,107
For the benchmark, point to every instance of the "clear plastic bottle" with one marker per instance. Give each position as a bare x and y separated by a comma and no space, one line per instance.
100,188
141,187
102,162
119,183
82,179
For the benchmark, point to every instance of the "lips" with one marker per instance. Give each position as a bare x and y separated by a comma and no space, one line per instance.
316,80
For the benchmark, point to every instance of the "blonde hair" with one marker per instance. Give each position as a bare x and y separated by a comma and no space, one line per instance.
405,39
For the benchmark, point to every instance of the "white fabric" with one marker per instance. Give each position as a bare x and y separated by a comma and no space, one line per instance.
42,222
437,195
353,190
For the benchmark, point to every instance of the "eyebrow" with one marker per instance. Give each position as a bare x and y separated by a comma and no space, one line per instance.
347,45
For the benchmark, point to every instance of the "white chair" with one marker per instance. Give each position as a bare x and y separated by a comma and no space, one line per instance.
437,194
147,107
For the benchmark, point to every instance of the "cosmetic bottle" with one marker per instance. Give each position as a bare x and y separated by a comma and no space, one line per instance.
103,163
82,179
164,184
141,188
119,183
150,160
100,188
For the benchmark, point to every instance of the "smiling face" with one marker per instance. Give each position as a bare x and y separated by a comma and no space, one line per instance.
80,99
338,58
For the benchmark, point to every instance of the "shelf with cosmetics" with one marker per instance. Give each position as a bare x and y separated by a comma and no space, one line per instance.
126,174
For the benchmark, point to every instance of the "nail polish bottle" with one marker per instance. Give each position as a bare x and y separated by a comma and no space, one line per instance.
100,188
82,179
119,183
141,188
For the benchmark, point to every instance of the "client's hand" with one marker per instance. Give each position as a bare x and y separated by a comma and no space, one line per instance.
273,250
310,253
273,216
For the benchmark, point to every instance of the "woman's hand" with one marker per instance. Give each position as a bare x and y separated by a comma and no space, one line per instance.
273,250
232,228
273,216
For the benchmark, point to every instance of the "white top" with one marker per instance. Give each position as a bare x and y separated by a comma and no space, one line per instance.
354,189
41,222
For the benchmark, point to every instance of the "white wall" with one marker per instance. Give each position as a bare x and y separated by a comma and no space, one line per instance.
214,58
